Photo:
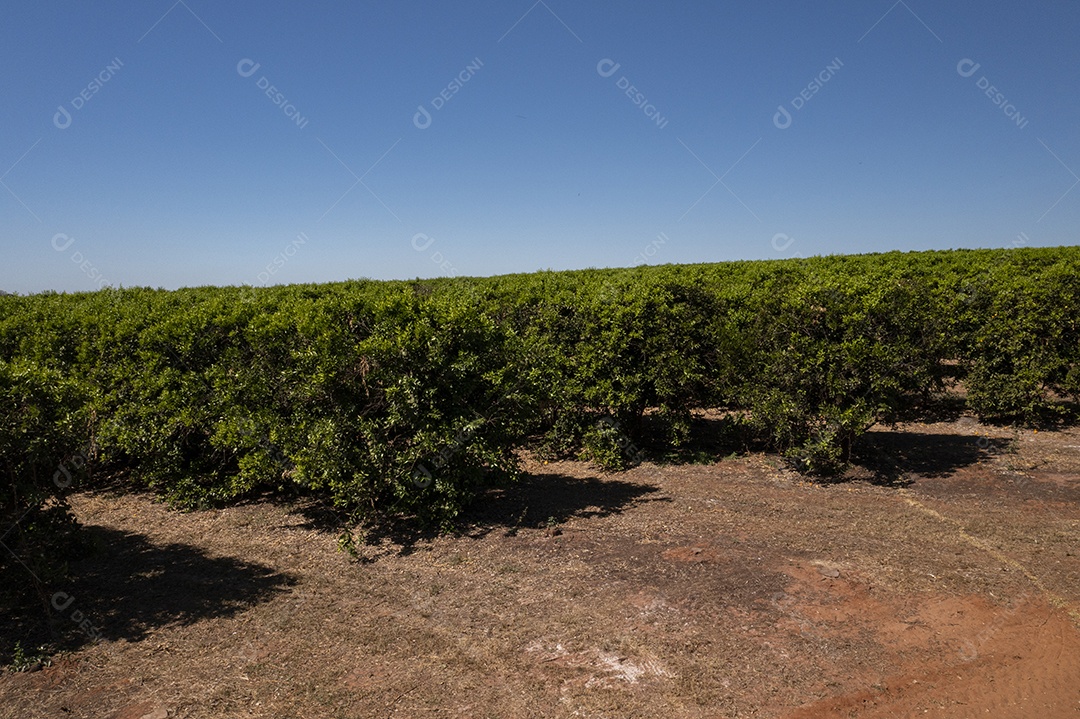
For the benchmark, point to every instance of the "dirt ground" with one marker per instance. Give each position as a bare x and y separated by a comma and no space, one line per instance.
941,578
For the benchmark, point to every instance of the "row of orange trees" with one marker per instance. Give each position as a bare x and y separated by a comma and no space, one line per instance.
397,399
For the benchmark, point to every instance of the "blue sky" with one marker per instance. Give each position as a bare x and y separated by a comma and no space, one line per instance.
140,146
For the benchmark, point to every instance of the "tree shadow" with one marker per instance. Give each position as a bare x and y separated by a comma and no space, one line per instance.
895,459
1059,413
712,435
882,457
533,501
127,586
941,407
537,500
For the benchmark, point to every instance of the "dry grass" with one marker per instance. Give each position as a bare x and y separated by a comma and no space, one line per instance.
938,578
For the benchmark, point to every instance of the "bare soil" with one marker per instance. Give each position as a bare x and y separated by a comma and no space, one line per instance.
940,578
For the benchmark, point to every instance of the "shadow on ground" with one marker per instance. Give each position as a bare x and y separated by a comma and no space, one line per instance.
533,501
537,500
889,458
710,437
128,586
896,459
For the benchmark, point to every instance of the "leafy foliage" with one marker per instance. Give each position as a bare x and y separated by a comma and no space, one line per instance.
43,453
405,399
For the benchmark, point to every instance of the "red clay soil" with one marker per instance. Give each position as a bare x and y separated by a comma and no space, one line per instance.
941,579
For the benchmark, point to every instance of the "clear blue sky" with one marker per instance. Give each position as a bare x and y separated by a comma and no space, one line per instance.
140,146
